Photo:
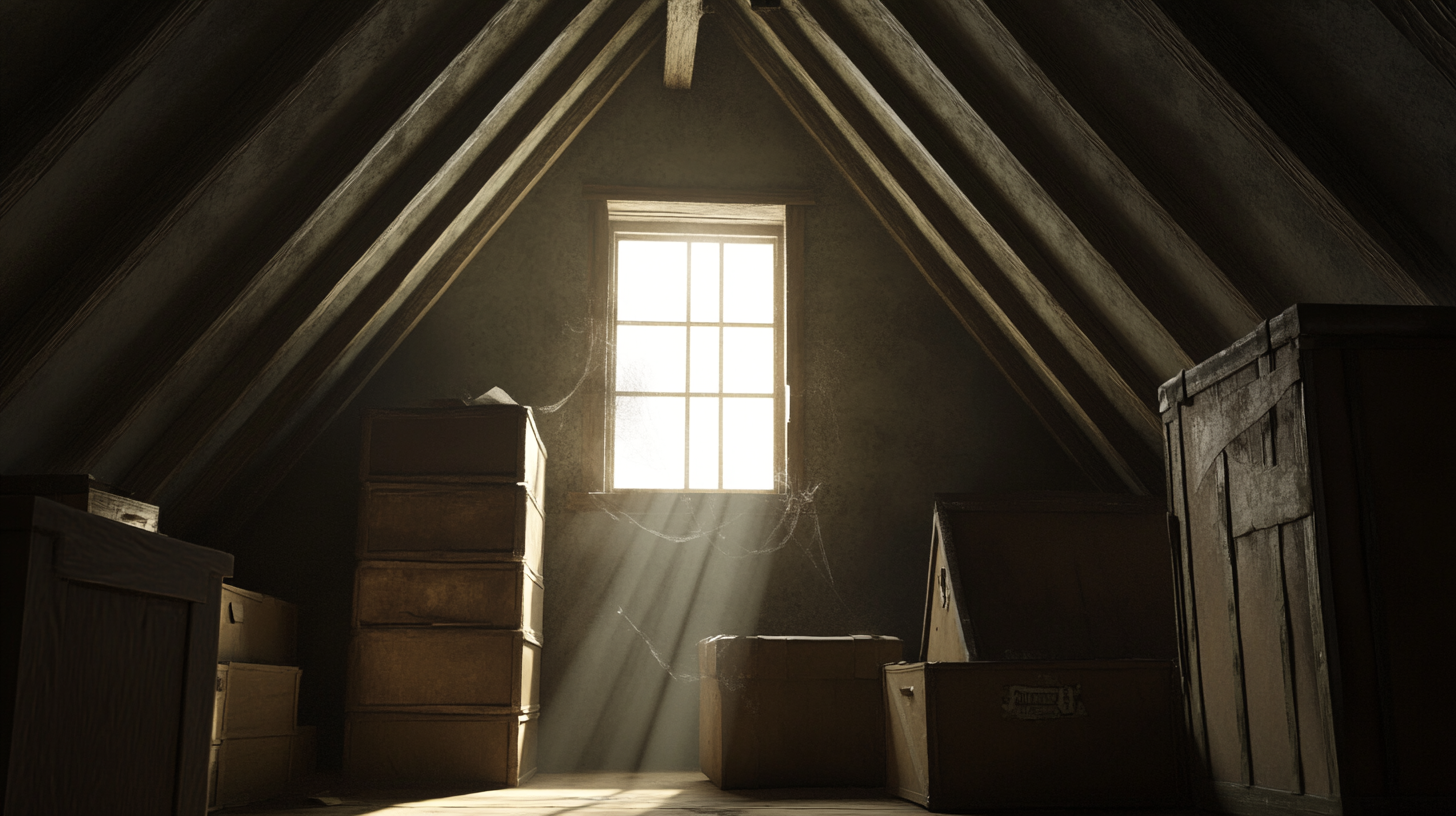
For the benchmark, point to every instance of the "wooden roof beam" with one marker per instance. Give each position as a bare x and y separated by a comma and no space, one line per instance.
222,482
1104,445
186,358
1160,262
682,43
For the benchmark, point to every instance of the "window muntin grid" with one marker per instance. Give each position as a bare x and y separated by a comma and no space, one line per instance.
697,364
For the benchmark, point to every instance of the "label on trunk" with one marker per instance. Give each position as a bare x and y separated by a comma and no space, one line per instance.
1042,702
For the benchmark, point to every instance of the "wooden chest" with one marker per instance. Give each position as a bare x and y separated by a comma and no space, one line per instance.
783,712
1311,475
459,522
480,749
480,443
84,493
251,769
107,639
399,593
443,669
255,700
256,628
1033,734
1049,576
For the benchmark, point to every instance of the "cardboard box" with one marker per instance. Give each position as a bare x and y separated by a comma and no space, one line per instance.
1034,734
251,769
1049,576
781,712
494,595
444,670
477,443
256,628
463,522
255,700
410,748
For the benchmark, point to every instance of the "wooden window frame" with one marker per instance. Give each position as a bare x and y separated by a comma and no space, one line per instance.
789,411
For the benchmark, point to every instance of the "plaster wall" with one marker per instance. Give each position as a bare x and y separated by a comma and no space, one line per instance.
901,404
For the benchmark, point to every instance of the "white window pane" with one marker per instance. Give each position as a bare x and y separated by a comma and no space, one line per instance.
651,358
705,283
748,443
647,443
703,443
652,280
748,363
748,276
704,375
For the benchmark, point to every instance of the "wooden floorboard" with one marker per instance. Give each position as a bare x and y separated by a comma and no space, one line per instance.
676,793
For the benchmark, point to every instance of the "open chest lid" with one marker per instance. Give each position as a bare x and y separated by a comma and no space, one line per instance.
1049,576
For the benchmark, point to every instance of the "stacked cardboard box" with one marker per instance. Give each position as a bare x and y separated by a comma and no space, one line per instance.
444,664
257,744
1048,677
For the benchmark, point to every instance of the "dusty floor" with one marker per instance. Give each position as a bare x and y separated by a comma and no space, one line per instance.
599,794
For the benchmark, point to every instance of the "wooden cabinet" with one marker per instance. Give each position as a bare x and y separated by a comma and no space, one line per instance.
109,639
1311,474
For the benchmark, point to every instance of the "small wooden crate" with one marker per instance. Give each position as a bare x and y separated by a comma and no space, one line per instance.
779,712
410,748
444,669
255,700
429,522
84,493
256,628
493,595
1049,576
478,443
1034,734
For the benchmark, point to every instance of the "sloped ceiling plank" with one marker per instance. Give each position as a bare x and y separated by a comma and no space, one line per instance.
37,140
1430,25
682,43
1027,310
1238,111
193,349
111,257
1405,244
1079,89
1072,427
480,199
379,222
1159,261
975,159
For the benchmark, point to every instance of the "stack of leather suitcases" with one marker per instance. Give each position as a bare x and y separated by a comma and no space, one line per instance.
1048,677
444,660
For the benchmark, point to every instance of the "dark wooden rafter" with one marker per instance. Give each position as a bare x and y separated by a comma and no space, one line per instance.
1430,25
1086,301
682,43
1078,169
272,438
318,209
42,136
1239,112
158,208
362,233
1072,426
1080,91
1407,258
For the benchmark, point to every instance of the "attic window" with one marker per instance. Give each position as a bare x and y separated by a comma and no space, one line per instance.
698,353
